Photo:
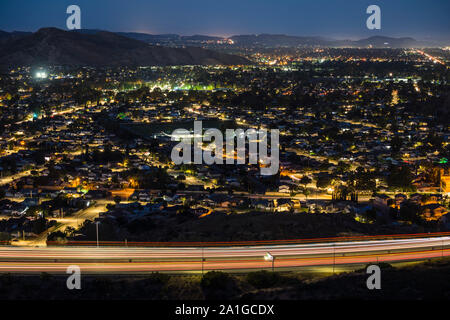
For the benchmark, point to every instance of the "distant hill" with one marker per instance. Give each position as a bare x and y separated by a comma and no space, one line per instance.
151,38
382,42
273,40
101,48
164,39
199,37
276,40
252,40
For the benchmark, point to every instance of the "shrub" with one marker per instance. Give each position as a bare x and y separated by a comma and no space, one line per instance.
218,285
264,279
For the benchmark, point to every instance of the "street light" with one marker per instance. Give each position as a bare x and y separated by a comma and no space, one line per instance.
269,257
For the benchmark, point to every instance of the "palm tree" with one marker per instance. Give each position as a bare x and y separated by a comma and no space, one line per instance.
306,192
305,180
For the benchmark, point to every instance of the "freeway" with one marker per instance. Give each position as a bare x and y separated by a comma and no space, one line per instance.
140,260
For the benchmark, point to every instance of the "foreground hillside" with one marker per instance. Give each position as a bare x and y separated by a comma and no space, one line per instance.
430,280
234,227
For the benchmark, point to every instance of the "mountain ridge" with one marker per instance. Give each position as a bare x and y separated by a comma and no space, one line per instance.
103,48
263,39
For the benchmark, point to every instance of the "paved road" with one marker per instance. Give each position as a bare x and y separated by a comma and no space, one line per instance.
313,257
9,179
74,221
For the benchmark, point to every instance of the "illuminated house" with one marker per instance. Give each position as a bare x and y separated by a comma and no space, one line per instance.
399,200
433,211
445,181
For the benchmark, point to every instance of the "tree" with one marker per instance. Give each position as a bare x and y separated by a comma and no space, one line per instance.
409,212
181,186
323,181
401,178
342,167
57,236
117,199
292,190
306,192
362,180
305,180
218,285
263,279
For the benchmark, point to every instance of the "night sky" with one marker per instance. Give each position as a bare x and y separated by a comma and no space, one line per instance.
422,19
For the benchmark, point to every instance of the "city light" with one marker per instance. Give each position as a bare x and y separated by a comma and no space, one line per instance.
41,75
193,164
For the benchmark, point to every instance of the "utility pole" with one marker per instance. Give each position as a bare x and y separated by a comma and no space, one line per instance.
96,227
334,255
203,259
